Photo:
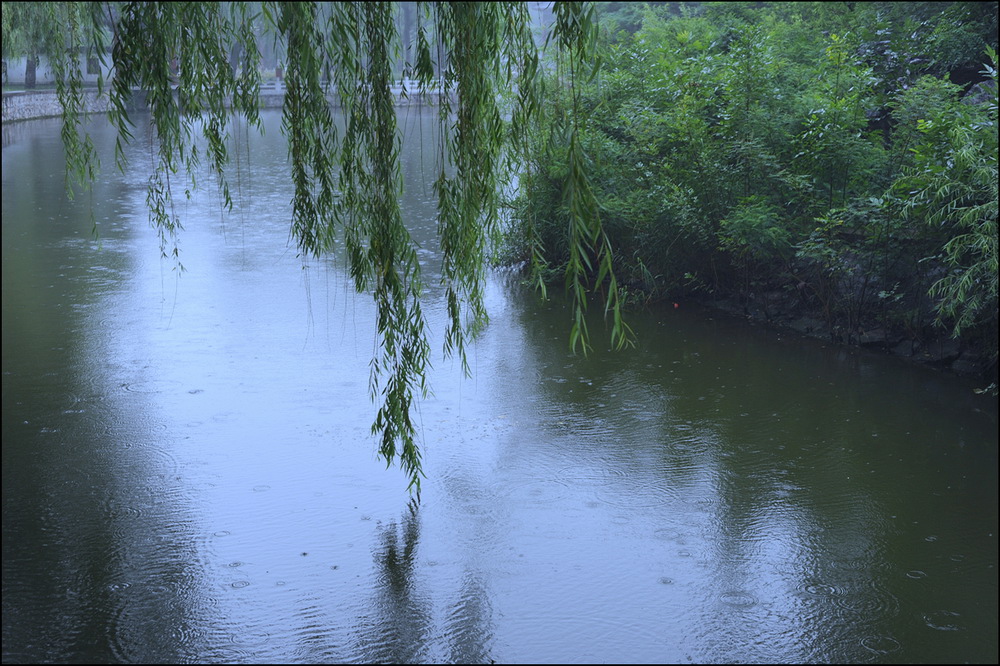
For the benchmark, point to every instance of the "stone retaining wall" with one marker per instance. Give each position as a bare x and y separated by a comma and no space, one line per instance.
27,105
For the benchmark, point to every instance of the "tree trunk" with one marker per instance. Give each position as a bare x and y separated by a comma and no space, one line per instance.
29,71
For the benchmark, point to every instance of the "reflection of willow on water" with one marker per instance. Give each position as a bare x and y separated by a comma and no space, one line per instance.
397,554
469,625
401,627
399,622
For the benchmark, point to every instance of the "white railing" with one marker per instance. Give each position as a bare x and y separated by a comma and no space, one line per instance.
398,88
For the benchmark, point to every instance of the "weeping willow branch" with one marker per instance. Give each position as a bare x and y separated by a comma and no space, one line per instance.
576,30
347,181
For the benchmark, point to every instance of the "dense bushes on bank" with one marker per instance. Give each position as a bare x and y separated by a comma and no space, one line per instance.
828,160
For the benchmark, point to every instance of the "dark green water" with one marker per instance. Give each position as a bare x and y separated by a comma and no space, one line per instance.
188,474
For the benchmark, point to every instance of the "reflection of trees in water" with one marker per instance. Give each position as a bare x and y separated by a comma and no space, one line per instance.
469,629
400,627
400,622
758,454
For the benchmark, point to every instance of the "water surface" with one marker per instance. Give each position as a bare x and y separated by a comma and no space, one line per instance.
189,476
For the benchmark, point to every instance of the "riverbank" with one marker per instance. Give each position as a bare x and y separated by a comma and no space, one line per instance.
930,346
44,103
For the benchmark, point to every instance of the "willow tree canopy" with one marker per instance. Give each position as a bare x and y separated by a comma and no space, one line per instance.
482,56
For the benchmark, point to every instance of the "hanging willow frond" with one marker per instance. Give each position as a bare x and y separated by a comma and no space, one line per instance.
347,182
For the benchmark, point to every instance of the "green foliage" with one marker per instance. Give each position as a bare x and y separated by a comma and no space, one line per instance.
582,247
923,113
851,261
808,148
961,33
833,144
952,187
752,229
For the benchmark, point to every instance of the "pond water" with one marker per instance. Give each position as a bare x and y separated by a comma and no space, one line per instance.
189,476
